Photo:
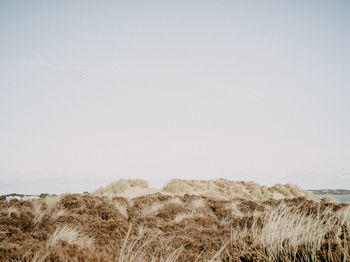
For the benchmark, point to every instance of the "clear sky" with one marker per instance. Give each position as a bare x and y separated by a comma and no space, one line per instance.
95,91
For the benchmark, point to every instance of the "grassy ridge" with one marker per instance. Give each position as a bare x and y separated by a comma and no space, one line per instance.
172,228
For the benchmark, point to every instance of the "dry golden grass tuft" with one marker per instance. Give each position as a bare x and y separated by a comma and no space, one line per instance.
162,228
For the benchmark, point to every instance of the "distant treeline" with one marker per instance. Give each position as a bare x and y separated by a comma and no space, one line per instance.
338,192
4,197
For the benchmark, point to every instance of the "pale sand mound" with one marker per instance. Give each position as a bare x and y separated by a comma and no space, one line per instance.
220,189
225,189
128,188
132,192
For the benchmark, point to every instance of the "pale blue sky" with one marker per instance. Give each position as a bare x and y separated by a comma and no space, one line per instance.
95,91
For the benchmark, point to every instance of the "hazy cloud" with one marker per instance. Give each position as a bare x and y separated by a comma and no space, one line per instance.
239,90
314,180
64,67
30,63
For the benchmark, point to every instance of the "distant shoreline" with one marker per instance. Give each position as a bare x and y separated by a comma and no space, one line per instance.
334,192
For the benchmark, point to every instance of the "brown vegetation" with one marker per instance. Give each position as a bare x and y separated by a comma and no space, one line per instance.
172,228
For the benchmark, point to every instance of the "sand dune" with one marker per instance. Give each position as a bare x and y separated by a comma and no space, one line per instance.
220,189
128,188
226,189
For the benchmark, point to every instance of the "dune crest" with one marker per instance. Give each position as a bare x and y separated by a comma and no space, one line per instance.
227,189
128,188
220,189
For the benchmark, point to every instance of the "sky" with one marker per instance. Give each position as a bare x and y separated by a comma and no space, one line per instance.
95,91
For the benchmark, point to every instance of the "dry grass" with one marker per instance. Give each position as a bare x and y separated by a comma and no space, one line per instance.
47,207
69,235
286,228
135,248
159,228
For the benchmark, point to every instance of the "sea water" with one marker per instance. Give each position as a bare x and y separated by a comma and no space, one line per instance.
342,198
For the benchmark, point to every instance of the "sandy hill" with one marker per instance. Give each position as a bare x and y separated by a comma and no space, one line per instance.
220,188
